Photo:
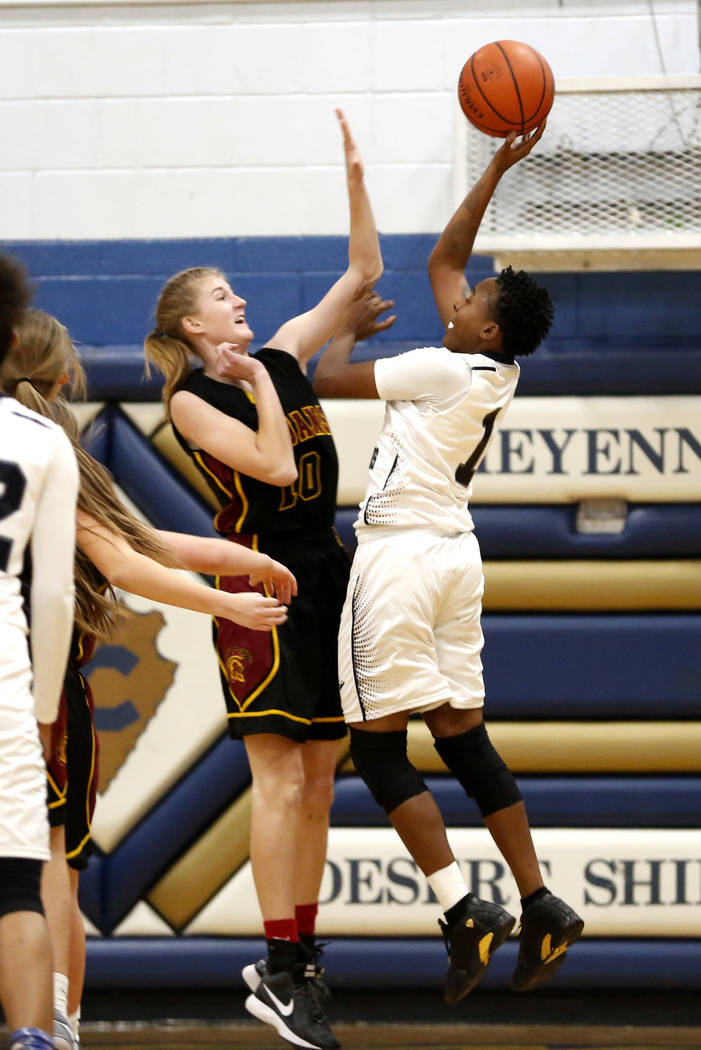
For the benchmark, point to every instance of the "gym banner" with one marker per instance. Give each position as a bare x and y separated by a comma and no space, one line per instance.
623,882
559,450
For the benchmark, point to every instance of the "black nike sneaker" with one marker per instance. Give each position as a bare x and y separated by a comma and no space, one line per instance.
471,941
253,973
548,928
293,1008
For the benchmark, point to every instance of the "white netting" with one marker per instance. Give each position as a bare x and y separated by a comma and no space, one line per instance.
619,167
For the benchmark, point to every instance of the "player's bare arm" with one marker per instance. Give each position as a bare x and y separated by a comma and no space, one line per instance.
304,335
128,570
265,454
216,557
336,375
447,262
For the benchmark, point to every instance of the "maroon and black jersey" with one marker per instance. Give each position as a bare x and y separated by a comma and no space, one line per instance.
72,771
249,506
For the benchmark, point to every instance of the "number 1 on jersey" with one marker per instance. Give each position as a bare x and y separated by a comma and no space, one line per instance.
466,471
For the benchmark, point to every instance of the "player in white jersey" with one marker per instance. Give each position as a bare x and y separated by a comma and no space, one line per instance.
410,638
38,490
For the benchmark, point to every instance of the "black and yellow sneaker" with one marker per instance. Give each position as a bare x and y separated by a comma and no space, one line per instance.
471,940
291,1005
548,928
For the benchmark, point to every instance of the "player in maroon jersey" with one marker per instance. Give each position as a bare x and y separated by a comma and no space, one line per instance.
257,433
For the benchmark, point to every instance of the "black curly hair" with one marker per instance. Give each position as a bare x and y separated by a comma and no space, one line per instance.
523,311
15,295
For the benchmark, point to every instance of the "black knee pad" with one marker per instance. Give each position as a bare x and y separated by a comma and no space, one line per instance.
20,884
472,759
381,760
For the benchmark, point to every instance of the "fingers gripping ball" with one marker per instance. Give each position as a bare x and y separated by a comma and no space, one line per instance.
506,86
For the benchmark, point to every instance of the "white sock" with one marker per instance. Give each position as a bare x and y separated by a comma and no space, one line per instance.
75,1022
448,885
61,993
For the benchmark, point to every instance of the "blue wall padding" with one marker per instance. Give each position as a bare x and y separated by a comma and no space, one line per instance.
116,883
153,485
417,962
592,666
585,370
628,332
116,373
652,530
90,891
551,801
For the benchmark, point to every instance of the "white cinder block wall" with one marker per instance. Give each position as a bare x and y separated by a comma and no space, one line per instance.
216,119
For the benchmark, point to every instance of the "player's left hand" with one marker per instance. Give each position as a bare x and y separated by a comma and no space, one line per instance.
277,579
256,611
354,161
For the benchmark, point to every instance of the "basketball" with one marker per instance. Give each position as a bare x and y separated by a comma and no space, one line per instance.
506,86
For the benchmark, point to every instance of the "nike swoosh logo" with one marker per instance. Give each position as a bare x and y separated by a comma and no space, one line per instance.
284,1008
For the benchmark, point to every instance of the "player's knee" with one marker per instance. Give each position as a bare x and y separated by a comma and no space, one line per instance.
381,760
318,793
275,793
473,760
20,885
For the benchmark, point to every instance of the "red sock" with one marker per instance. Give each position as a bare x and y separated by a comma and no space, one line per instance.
306,918
281,930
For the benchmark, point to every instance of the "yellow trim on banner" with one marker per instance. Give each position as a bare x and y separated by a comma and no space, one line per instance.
592,585
577,747
207,866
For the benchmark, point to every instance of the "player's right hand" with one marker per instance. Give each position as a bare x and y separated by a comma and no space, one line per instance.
232,364
361,316
515,148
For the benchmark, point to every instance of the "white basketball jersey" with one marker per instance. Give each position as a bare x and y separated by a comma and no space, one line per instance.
38,487
441,415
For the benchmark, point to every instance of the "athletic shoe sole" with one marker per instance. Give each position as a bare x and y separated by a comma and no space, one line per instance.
251,976
552,958
459,982
266,1014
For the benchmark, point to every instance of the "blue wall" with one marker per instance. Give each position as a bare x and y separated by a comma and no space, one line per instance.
633,332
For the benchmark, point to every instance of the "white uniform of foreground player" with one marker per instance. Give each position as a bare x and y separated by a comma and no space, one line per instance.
39,485
412,611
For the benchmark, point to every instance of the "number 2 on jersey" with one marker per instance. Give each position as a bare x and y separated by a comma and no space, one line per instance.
466,471
13,484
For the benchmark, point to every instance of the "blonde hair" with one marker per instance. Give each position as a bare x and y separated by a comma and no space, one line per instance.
44,352
166,346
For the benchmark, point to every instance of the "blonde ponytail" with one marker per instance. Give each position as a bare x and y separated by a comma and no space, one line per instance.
166,347
171,357
44,354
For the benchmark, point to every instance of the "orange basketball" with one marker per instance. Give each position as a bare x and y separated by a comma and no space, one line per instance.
506,86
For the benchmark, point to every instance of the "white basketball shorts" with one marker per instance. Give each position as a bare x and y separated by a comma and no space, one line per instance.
410,636
24,824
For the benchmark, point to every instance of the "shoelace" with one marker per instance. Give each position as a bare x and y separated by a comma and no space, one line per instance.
314,967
